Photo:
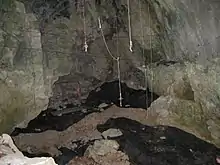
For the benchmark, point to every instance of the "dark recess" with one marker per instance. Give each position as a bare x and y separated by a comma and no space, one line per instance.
108,93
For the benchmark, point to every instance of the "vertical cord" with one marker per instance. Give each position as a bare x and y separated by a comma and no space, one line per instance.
146,84
103,37
119,81
129,27
151,55
118,67
142,31
114,58
84,25
144,66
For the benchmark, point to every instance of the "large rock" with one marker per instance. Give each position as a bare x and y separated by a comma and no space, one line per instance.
106,151
9,154
188,85
21,71
186,115
169,79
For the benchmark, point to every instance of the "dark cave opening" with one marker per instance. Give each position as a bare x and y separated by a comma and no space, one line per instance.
109,93
59,120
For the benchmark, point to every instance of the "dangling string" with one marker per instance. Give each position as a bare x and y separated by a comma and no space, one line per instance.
142,31
151,55
114,58
146,84
103,37
119,81
129,27
84,25
144,66
119,70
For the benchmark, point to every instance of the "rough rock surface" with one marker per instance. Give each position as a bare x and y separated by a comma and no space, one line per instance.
183,114
110,133
142,143
50,141
190,29
106,151
38,49
86,129
21,70
9,154
160,145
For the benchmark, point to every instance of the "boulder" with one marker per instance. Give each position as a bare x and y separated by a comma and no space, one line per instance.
186,115
9,154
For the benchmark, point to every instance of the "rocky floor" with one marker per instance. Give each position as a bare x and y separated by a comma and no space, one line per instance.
117,136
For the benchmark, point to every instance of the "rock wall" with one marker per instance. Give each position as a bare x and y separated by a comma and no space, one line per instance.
191,28
39,47
22,85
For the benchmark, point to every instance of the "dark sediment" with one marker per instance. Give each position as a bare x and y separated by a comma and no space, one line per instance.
161,145
47,121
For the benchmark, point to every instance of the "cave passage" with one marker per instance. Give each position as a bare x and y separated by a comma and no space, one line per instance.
59,120
109,93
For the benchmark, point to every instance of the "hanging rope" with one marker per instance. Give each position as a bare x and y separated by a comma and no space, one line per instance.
151,55
114,58
142,31
103,37
119,81
119,70
144,66
129,27
84,25
146,84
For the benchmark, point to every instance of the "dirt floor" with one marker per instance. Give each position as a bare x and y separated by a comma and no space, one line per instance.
139,141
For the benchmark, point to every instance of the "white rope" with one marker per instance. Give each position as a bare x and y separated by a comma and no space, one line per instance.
119,70
114,58
103,37
151,55
142,31
119,81
129,27
144,66
146,84
84,24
